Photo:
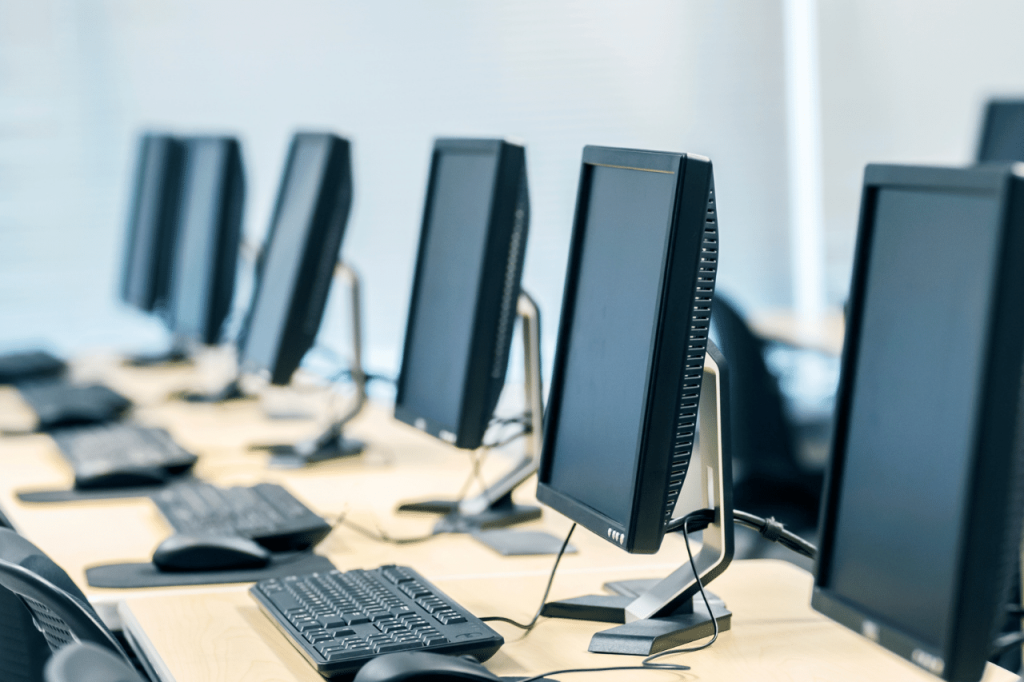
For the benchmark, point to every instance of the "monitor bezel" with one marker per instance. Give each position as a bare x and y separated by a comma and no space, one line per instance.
643,530
510,160
994,479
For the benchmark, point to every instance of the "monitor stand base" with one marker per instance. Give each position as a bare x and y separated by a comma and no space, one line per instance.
322,449
503,513
231,391
488,526
690,622
172,356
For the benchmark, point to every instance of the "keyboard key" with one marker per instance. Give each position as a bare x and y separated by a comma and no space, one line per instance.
395,646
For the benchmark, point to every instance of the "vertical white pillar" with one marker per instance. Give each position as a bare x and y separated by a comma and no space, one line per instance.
803,118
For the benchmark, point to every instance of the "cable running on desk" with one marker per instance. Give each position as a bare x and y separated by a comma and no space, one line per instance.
648,663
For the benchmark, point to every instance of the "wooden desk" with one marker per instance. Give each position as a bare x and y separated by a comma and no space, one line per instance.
223,637
400,463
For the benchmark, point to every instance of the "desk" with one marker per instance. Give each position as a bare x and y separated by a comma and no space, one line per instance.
223,637
216,633
400,463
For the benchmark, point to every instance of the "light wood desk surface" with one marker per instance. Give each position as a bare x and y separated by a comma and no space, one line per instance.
400,464
775,635
217,634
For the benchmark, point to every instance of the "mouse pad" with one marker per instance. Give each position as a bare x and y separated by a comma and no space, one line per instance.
75,495
147,575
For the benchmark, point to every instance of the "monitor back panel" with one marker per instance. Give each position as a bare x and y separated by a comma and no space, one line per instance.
622,410
465,288
1002,134
301,250
152,223
921,519
209,232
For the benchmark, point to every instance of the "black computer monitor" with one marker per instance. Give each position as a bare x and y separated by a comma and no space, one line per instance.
1002,132
628,378
152,222
464,293
301,249
921,523
631,343
209,230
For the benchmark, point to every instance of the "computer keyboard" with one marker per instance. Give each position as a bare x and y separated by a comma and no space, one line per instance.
340,620
29,366
266,513
116,455
57,403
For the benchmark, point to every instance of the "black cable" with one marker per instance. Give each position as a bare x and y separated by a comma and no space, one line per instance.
1006,642
769,529
511,439
547,590
698,517
1015,610
380,535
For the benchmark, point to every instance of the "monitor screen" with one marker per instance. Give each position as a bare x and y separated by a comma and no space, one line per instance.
1002,138
628,215
434,368
912,409
192,281
284,255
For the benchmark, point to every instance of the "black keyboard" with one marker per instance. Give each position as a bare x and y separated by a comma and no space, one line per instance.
266,513
115,455
57,403
340,620
29,366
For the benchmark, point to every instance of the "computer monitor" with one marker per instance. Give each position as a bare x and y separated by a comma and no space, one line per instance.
210,225
463,306
629,364
297,263
152,222
1002,132
921,522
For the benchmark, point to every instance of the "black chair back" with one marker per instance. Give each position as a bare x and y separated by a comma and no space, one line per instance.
58,608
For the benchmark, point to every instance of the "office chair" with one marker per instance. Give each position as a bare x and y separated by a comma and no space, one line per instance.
83,662
768,480
58,608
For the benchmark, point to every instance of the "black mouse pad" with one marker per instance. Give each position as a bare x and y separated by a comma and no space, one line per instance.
146,575
73,495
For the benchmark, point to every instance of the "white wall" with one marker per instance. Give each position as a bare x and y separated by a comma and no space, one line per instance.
905,82
79,79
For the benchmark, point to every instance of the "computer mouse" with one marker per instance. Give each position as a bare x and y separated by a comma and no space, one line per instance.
423,666
120,478
209,553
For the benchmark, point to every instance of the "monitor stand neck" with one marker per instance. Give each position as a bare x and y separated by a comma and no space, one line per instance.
665,613
493,508
249,253
331,443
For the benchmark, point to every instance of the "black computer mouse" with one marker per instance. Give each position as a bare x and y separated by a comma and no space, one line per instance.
120,478
422,666
209,553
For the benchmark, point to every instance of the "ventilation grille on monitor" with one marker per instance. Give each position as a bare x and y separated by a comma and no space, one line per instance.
693,372
53,627
507,315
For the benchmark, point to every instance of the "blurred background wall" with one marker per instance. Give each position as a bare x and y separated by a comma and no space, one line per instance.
80,78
